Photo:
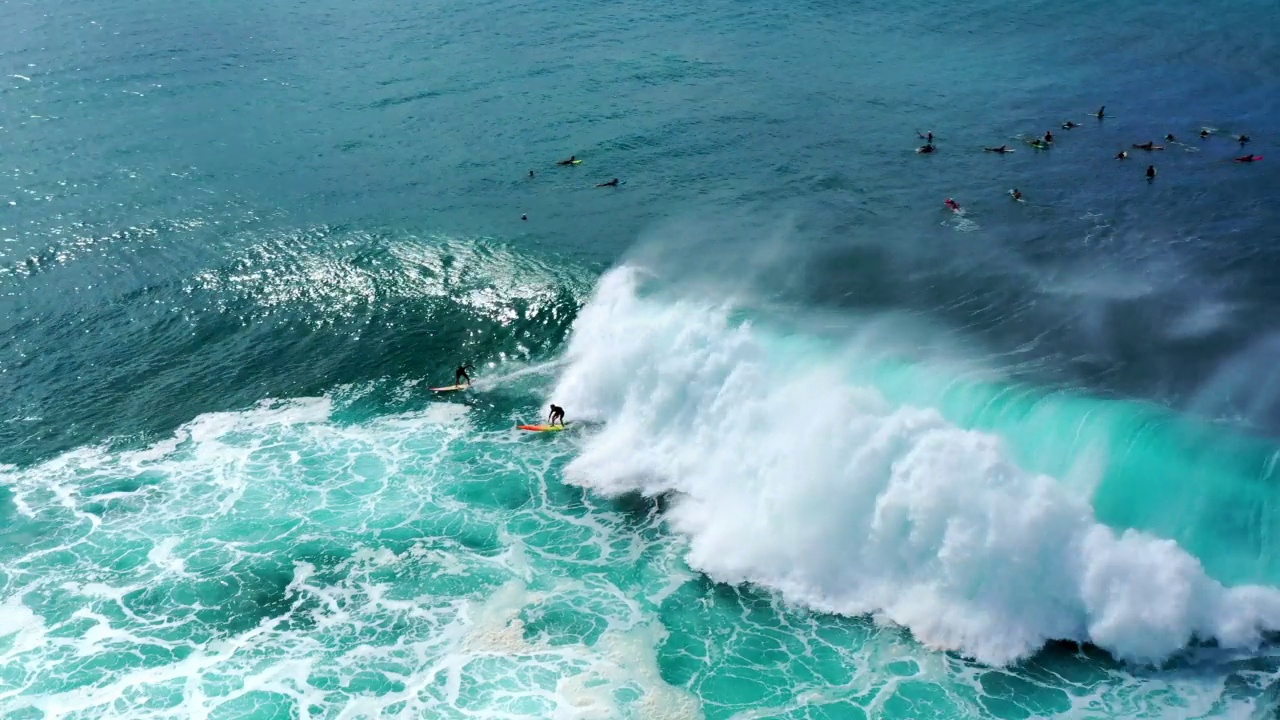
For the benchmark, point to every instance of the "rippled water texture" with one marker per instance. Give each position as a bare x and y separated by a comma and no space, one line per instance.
834,452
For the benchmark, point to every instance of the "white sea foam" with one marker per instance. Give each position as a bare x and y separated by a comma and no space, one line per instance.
240,569
793,479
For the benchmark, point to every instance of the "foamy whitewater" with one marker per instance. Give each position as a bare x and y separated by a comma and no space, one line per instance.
306,558
788,477
834,453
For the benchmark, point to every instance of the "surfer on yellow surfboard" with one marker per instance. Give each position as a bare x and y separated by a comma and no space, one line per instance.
459,376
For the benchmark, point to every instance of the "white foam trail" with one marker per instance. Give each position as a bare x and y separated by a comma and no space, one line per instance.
792,479
489,382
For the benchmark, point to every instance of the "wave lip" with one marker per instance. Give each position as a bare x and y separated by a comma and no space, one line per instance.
791,478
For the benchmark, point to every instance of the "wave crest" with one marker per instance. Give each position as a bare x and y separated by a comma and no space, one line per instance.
792,478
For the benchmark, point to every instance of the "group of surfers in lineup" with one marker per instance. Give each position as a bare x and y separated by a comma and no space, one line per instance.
1044,143
461,378
573,160
556,416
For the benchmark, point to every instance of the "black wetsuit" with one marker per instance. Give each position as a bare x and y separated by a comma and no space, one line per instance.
557,413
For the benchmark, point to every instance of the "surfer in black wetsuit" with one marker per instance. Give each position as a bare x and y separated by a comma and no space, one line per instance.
557,414
461,374
1016,194
1151,172
1148,146
1122,155
572,159
611,183
1204,134
1242,139
1102,112
1170,138
927,137
1002,149
1070,124
1249,158
1048,136
925,149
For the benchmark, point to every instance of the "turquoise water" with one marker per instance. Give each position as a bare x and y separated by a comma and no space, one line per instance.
836,454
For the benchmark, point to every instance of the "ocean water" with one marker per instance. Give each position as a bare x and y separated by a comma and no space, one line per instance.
834,453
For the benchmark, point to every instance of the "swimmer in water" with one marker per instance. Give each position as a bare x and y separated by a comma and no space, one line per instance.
1002,149
530,173
1070,124
1170,138
1122,155
1151,172
925,149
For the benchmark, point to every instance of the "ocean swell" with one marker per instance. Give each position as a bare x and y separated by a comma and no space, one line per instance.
790,477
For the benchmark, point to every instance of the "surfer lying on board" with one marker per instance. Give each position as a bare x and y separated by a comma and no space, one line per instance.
925,149
1070,124
955,206
572,159
1148,145
461,374
557,415
1016,194
1002,149
611,183
1249,158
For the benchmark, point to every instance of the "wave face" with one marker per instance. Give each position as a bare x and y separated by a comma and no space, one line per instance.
790,477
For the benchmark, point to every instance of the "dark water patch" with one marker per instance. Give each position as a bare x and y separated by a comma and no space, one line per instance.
287,319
